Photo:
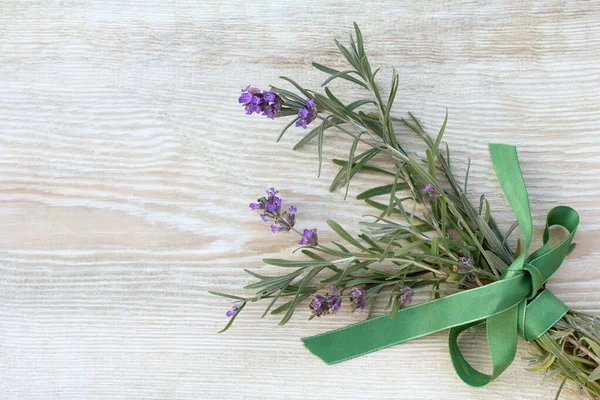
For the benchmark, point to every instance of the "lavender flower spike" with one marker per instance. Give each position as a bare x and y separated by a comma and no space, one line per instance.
358,299
232,312
325,305
274,103
252,100
309,237
466,262
319,306
258,101
307,114
405,295
270,205
430,191
335,299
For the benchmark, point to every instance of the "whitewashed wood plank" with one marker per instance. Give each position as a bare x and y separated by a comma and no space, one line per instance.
126,168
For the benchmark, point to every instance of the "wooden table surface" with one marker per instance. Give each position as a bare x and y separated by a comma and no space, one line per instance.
126,167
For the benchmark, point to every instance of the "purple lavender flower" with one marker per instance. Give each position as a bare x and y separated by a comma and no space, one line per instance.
309,237
405,294
307,114
335,300
271,206
252,99
274,104
430,191
284,221
358,299
247,94
270,97
325,305
319,306
257,101
270,203
466,262
232,312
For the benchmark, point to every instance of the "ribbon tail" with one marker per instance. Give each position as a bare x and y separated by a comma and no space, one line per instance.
418,321
502,345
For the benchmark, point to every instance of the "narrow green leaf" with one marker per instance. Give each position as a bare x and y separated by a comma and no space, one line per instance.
345,250
314,256
380,206
285,112
350,160
289,96
328,70
487,215
309,276
339,74
320,146
345,235
286,128
434,246
393,193
593,345
430,162
594,375
370,241
313,132
353,268
368,155
355,104
300,88
333,98
381,190
518,250
233,317
347,55
417,123
444,221
343,163
359,41
411,126
396,305
254,274
497,263
436,290
229,296
438,139
385,252
286,305
294,263
467,176
275,298
560,388
407,249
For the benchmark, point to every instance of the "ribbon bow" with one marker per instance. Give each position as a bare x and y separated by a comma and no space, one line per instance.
517,304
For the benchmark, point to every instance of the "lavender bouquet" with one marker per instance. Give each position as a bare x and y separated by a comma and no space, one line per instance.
425,235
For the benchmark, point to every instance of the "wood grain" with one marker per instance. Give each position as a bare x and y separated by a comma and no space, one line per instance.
126,168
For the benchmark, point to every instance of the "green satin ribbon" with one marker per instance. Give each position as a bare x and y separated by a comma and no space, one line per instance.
517,304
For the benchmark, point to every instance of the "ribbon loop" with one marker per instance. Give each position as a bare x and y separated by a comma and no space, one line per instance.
540,314
516,305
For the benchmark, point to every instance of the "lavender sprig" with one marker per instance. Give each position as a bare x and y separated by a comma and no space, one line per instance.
425,234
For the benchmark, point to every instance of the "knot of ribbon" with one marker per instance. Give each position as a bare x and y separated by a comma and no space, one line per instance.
516,305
